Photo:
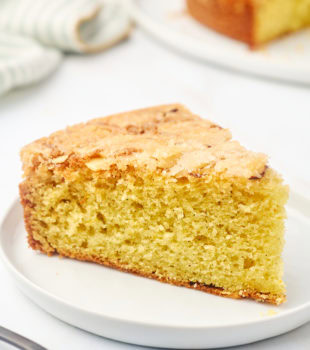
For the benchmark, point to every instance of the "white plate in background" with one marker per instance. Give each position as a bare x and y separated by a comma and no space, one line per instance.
138,310
286,59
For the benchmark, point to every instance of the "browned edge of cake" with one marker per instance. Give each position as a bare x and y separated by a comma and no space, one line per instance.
225,17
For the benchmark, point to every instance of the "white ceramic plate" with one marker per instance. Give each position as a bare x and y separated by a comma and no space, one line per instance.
137,310
285,59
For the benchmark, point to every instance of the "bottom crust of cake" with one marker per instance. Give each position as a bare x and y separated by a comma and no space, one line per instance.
241,294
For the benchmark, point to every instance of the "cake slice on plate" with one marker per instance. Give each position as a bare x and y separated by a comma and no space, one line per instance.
252,21
161,193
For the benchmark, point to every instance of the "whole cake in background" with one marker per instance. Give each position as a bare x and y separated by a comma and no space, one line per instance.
253,21
161,193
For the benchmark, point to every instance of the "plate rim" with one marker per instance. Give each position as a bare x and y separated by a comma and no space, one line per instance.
32,285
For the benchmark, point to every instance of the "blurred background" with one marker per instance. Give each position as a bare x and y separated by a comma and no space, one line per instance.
138,54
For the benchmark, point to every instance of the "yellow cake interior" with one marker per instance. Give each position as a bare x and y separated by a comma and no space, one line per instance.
274,18
216,232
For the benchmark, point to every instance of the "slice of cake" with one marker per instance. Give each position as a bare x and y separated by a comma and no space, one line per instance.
252,21
161,193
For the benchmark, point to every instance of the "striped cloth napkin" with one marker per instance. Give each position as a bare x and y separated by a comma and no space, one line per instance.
35,33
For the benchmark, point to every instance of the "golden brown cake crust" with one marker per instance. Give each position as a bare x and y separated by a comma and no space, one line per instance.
242,294
234,18
169,139
28,211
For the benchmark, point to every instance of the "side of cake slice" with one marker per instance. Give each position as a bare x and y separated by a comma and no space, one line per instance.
252,21
161,193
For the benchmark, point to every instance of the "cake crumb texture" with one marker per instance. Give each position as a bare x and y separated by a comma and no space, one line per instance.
161,193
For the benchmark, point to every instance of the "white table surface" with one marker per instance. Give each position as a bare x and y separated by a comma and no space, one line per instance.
264,115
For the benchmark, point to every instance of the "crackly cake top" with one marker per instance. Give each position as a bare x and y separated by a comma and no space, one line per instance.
166,138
